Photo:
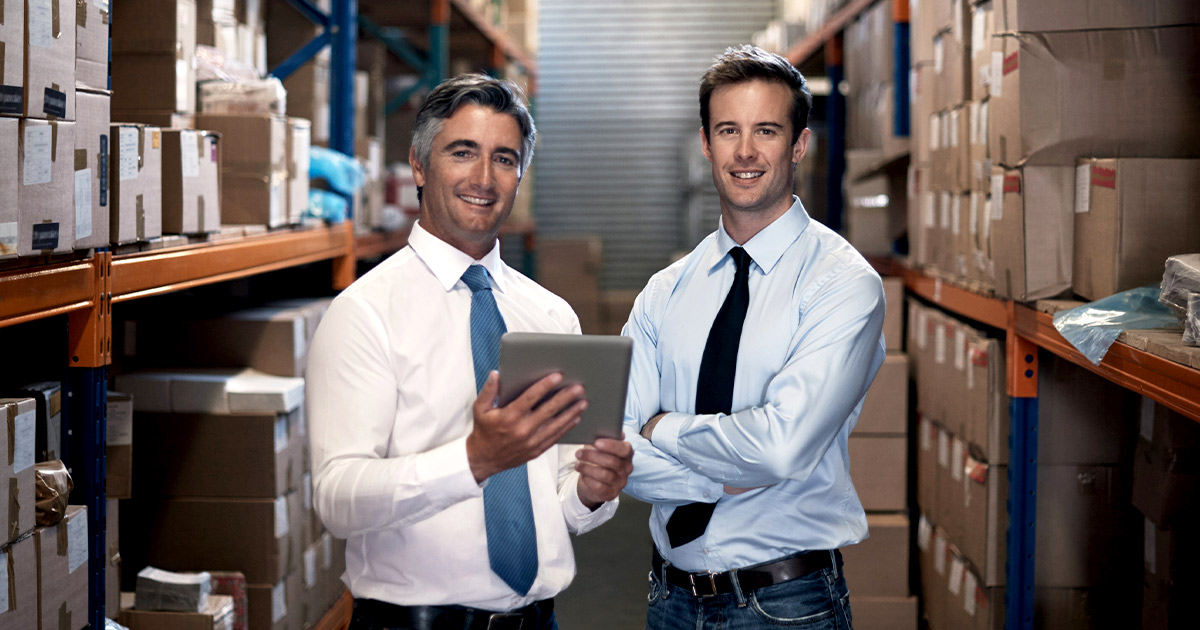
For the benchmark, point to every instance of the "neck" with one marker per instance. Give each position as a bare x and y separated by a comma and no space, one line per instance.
742,225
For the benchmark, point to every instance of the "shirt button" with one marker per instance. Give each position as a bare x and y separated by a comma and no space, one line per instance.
706,552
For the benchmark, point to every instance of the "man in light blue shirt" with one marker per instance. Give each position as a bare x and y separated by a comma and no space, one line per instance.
752,356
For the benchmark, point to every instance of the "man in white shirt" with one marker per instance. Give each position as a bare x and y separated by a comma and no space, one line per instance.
456,512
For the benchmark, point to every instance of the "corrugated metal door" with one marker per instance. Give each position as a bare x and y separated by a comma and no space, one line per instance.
616,103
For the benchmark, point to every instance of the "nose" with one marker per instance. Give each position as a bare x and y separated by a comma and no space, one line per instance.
483,174
745,148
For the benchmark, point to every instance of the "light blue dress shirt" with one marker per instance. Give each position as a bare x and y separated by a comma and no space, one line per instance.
811,345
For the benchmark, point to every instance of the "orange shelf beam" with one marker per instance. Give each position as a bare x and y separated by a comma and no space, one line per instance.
1172,384
338,616
807,47
154,273
981,308
45,291
381,243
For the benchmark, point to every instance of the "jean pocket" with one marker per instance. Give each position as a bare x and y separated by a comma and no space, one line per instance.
805,602
656,589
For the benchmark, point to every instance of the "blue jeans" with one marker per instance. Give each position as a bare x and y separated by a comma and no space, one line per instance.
818,600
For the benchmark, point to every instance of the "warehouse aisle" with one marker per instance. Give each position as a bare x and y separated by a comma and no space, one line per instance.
609,592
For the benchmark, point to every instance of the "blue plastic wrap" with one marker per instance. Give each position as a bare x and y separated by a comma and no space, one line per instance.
326,205
343,173
1094,326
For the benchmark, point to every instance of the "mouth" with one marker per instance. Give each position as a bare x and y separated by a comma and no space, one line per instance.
747,175
477,201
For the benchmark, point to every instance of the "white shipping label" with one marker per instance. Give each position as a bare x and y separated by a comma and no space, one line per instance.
310,566
101,4
978,28
943,448
939,55
8,238
997,74
944,210
77,541
1147,424
956,459
1083,188
924,533
83,203
326,551
37,155
299,338
969,586
119,423
939,553
955,121
971,376
987,212
40,22
321,124
939,344
278,602
281,434
127,146
1149,546
946,131
957,17
956,576
24,436
926,431
973,122
930,213
275,208
960,351
922,333
182,66
955,213
997,190
307,491
935,131
3,581
189,149
973,215
303,151
281,517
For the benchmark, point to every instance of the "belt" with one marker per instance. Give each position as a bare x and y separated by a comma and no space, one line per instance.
451,617
750,578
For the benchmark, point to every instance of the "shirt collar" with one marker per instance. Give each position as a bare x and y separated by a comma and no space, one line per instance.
448,263
766,247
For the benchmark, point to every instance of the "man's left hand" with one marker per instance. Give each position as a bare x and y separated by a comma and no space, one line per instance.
648,428
604,467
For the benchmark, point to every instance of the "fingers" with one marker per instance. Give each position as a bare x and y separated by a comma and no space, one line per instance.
536,392
487,395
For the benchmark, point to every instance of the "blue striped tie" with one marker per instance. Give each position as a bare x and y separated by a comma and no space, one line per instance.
507,508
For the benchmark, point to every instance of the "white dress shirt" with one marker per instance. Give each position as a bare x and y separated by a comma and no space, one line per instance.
390,384
810,347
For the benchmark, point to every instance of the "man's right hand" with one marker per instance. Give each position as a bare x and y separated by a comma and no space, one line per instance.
508,436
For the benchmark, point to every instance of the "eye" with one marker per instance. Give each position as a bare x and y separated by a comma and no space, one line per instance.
767,131
461,153
505,160
727,131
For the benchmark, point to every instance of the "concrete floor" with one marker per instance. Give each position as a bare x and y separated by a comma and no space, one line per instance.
609,591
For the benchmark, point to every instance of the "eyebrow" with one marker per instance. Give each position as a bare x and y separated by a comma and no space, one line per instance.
463,143
765,123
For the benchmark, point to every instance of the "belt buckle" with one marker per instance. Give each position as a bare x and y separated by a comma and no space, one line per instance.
497,621
712,583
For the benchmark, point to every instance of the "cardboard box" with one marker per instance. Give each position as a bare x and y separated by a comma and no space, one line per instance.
250,143
987,398
885,409
952,57
136,178
1077,15
253,536
92,132
118,448
212,391
91,45
1082,418
869,222
308,95
12,59
167,119
191,182
112,555
46,186
62,569
926,486
19,568
299,143
276,606
10,213
156,82
983,26
258,455
254,199
884,613
1032,232
979,159
1068,94
1130,214
50,60
879,565
271,339
1166,480
878,466
217,615
18,427
47,396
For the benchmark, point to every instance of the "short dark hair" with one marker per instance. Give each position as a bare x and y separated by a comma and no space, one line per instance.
739,64
479,89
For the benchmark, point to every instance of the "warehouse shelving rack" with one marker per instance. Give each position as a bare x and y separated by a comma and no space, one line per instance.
1026,330
84,286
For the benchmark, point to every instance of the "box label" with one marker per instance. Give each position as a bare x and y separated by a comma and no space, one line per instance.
24,436
960,349
274,210
978,28
120,423
939,55
1083,188
944,210
3,581
77,542
1104,177
987,212
310,566
54,103
1011,63
127,147
930,213
939,553
40,22
189,151
922,332
956,576
926,431
37,155
306,489
281,434
956,459
45,236
970,585
281,517
939,345
995,89
955,213
103,170
943,448
924,533
935,131
8,238
83,203
12,99
326,551
973,215
278,602
955,122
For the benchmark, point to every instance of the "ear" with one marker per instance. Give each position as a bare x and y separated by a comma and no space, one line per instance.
704,147
418,170
801,146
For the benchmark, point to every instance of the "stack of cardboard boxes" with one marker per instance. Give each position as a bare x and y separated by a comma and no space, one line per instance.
308,87
236,29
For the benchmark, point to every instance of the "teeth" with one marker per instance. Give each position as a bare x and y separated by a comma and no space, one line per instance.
747,175
479,201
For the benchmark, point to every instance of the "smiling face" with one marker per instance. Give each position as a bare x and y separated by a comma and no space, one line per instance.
749,143
471,180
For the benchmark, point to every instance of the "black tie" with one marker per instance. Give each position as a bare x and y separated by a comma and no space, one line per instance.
714,387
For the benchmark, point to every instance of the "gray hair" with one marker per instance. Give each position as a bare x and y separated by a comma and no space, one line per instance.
479,89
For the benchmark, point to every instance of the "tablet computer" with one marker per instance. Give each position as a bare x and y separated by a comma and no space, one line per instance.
599,362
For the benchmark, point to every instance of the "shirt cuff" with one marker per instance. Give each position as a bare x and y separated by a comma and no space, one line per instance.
444,473
581,519
666,433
